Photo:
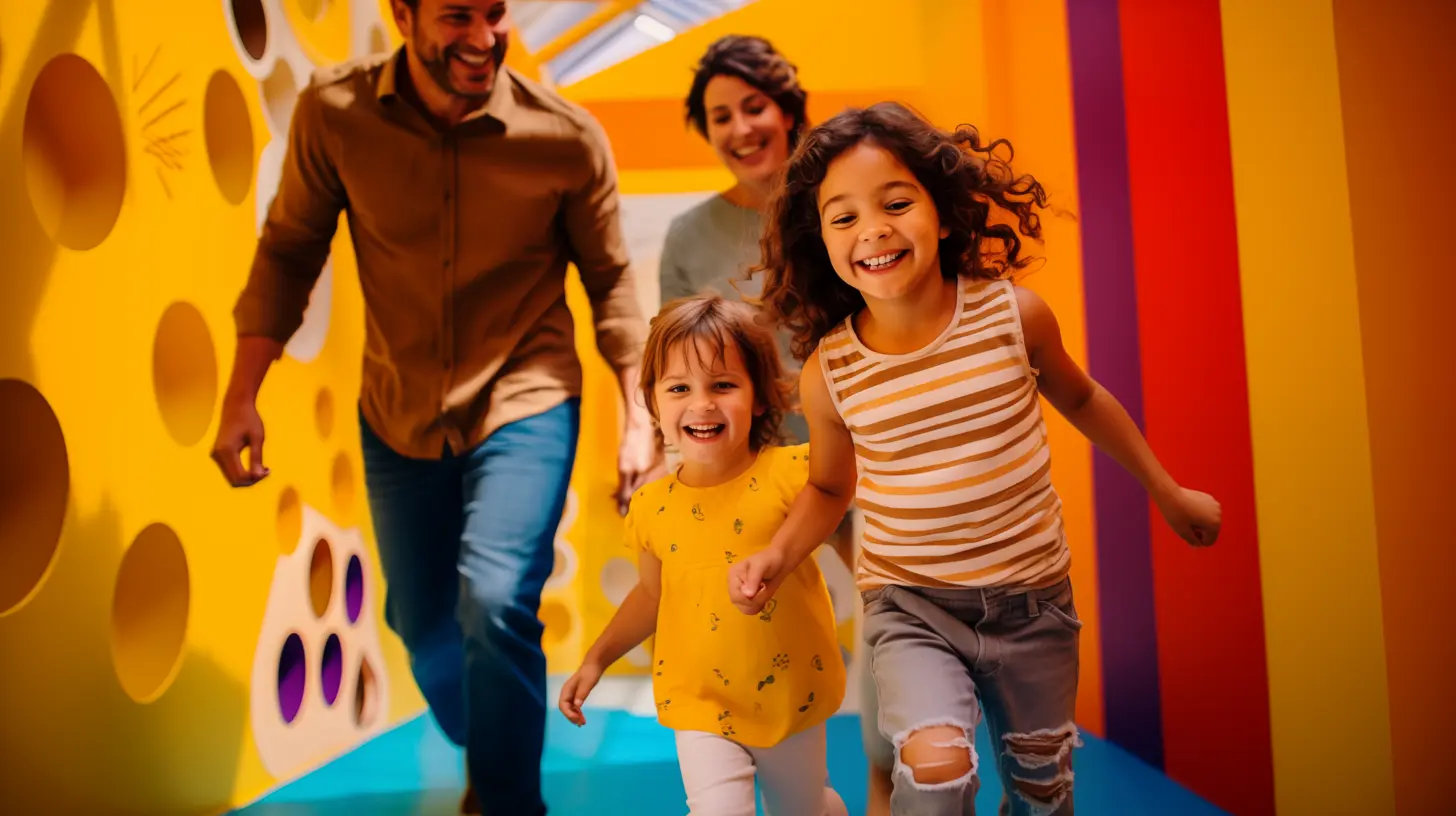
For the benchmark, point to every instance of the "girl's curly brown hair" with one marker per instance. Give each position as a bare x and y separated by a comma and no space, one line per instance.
965,179
717,322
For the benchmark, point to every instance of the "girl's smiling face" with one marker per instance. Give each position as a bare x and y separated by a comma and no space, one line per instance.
706,405
879,225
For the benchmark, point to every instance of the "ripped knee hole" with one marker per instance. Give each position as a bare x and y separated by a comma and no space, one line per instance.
938,754
1045,776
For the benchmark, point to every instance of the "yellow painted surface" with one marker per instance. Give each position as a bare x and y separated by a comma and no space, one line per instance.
653,182
1312,467
828,41
115,306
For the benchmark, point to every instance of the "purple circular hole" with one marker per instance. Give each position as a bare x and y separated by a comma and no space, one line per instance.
331,673
292,677
354,589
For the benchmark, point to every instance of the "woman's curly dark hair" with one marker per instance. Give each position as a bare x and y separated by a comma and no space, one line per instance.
755,61
964,178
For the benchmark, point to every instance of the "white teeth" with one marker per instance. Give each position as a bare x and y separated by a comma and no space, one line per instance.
744,152
476,61
882,260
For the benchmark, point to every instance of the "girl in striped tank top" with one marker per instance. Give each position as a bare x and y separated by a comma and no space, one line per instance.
886,253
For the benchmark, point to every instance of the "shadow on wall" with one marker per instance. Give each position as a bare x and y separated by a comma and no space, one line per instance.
104,707
28,248
84,660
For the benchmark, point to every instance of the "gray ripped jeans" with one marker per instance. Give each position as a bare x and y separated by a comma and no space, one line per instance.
943,656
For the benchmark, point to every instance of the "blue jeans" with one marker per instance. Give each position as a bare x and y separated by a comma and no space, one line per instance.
466,544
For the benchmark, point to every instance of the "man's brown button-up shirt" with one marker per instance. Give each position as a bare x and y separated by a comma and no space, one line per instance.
462,239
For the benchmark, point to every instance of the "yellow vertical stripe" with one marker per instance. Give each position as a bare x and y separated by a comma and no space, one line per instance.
1321,577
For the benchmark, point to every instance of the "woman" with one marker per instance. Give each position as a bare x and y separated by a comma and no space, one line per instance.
746,102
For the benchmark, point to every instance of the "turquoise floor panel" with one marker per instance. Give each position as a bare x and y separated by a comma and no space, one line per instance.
623,764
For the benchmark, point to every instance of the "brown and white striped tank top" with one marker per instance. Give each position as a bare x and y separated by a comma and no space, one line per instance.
954,469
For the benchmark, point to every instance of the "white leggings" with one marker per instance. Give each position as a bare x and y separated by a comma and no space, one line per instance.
718,776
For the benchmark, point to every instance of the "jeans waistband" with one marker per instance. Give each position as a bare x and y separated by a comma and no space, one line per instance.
985,594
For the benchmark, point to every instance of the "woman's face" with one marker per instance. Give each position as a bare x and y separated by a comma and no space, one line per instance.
749,131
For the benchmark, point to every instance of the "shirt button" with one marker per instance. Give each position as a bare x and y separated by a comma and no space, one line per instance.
447,195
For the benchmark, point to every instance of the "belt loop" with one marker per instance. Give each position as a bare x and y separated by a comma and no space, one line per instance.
1032,608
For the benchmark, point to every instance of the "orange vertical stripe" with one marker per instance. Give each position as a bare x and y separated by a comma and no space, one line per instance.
1030,103
1397,75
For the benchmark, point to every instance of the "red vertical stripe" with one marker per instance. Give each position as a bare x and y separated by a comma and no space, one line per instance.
1211,655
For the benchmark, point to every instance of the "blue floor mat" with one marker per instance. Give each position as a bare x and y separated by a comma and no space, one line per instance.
623,764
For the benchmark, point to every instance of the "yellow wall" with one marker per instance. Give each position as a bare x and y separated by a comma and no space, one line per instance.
131,636
1312,469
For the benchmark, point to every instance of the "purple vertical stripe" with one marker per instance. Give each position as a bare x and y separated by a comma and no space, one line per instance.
1124,556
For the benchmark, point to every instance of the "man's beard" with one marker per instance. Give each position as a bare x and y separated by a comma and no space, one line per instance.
438,67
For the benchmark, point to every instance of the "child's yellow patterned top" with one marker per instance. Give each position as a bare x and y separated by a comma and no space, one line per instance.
754,679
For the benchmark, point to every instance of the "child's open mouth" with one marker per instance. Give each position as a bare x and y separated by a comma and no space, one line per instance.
704,431
880,263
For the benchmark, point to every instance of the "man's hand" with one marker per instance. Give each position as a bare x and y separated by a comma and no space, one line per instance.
240,427
639,461
752,581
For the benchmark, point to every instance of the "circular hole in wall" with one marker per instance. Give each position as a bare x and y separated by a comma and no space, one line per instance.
354,589
342,480
321,577
366,695
280,94
290,520
227,131
323,412
313,10
560,562
292,677
378,41
35,485
331,669
74,153
557,621
618,577
149,613
184,373
252,26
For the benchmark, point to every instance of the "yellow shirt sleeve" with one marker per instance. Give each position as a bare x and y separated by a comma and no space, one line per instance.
633,534
791,469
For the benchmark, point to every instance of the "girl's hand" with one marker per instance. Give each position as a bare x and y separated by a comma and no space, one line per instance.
752,581
1193,515
575,692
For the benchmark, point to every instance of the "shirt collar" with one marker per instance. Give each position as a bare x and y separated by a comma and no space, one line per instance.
498,105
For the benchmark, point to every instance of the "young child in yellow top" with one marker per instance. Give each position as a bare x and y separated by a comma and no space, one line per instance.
746,696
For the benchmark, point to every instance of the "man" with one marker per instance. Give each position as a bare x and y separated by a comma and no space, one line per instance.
468,189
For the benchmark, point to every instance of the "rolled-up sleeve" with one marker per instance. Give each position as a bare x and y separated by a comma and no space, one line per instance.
299,229
594,230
